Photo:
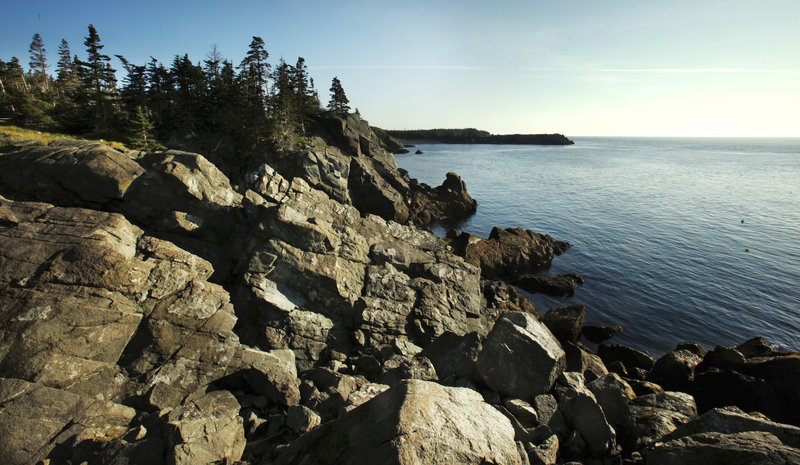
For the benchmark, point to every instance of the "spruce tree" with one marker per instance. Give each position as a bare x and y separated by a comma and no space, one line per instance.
139,127
98,79
338,102
254,71
65,68
134,86
307,100
38,61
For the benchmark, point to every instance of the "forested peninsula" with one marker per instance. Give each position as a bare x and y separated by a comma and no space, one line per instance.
476,136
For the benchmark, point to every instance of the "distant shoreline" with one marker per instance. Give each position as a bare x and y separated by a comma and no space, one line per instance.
475,136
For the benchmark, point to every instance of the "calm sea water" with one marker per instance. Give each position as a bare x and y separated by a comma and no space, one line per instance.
678,239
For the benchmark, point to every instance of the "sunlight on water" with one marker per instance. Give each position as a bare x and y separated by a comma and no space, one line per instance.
678,239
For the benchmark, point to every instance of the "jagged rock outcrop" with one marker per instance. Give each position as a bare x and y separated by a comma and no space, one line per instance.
362,280
450,201
151,312
94,309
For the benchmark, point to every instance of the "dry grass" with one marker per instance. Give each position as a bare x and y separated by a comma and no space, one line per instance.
13,135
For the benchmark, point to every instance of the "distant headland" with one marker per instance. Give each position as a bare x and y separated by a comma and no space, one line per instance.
476,136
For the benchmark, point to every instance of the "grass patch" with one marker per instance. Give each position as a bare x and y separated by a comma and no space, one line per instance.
13,135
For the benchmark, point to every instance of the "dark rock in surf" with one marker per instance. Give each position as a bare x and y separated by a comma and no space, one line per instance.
674,371
632,359
565,322
507,253
450,201
560,286
600,333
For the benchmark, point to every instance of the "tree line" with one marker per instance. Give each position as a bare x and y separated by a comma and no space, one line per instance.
214,104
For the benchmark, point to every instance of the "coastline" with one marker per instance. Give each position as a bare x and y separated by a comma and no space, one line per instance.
276,320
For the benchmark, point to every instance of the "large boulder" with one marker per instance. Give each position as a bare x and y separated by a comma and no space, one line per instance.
674,371
659,414
520,357
746,448
208,429
35,420
70,173
763,383
733,420
416,422
582,411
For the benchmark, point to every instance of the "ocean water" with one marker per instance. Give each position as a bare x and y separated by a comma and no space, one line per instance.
678,239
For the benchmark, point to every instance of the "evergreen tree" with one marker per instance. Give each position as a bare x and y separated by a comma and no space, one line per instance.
134,86
38,62
282,101
159,85
338,102
98,80
139,127
252,80
213,64
307,100
255,69
188,94
64,67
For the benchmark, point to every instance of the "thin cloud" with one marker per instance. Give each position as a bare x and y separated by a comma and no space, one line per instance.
688,70
406,67
667,70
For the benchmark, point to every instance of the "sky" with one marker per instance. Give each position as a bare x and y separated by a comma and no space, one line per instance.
577,67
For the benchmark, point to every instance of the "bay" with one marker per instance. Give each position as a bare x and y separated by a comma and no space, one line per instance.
679,239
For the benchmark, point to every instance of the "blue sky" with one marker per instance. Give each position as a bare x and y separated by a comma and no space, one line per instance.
618,67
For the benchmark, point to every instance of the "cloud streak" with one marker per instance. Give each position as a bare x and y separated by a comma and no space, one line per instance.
669,70
406,67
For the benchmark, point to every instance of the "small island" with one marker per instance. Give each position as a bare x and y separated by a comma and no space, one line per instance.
476,136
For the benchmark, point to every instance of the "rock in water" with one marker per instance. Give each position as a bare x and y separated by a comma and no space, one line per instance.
520,357
507,252
600,333
560,286
414,423
565,322
450,201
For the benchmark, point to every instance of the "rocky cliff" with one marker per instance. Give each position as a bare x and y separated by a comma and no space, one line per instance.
152,312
